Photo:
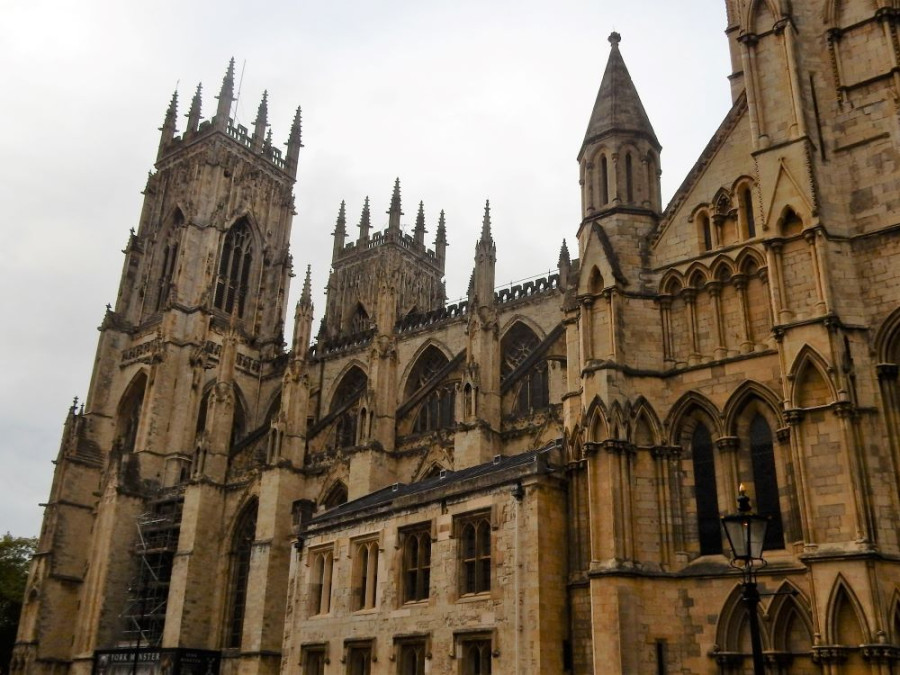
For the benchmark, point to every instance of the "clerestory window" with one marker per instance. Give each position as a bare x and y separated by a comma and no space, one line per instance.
233,280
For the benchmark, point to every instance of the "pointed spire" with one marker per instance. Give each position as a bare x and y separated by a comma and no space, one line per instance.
262,121
340,231
303,313
486,222
565,265
365,221
167,130
226,97
306,293
395,211
194,113
440,240
294,143
419,231
618,107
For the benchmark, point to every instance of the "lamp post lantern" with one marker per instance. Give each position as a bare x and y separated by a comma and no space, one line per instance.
746,532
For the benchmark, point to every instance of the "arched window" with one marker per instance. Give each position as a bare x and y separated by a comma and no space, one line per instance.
765,480
241,550
129,415
347,406
706,232
629,179
437,408
416,564
705,494
233,281
336,496
169,255
359,322
604,180
532,393
747,206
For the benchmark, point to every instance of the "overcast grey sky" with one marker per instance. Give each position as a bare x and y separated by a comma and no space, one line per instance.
463,100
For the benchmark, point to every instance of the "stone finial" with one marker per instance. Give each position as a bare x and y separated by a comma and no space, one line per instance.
615,39
419,231
486,222
395,211
365,220
226,96
306,293
194,113
441,235
294,143
262,120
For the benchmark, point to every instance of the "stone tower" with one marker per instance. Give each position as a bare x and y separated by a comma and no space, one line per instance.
182,383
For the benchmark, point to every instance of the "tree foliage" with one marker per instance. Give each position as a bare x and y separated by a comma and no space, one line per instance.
15,556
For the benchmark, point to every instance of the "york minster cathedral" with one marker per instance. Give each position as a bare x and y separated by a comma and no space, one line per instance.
530,480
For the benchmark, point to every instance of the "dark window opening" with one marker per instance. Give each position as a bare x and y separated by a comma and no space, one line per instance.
232,283
241,550
708,525
765,480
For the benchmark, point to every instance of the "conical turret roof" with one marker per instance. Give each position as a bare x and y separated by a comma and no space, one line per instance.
618,107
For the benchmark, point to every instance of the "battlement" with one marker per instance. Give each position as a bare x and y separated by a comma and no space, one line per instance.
385,237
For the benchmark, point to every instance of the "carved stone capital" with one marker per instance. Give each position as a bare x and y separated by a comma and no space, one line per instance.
728,443
794,417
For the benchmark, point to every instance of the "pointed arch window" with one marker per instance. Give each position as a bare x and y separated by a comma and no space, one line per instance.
705,493
347,408
604,180
765,480
747,206
232,283
360,322
336,496
517,347
629,179
129,416
169,258
706,232
241,550
438,407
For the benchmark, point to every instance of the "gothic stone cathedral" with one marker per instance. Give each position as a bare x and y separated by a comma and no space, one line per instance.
529,481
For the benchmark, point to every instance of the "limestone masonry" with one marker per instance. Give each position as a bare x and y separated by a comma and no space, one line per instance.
529,481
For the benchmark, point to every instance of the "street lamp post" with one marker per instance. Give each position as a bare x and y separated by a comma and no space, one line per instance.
746,532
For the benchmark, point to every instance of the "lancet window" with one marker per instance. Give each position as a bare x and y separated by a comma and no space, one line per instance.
347,406
235,261
437,408
532,392
241,549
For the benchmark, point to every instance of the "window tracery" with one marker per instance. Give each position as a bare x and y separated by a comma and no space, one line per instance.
241,548
232,282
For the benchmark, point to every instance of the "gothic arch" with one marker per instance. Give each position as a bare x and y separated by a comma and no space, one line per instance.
646,427
672,283
791,221
811,384
128,412
333,493
746,258
428,344
686,406
238,266
845,619
744,395
697,275
732,628
722,202
887,339
761,16
346,370
525,321
618,427
597,428
722,268
595,283
241,538
791,621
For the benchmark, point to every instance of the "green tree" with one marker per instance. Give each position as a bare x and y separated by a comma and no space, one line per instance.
15,555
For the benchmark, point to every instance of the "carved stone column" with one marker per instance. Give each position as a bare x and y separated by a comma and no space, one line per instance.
690,298
740,284
715,291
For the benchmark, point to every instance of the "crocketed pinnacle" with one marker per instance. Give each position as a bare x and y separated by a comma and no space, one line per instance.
296,129
395,211
262,116
195,111
172,111
365,220
618,107
306,293
341,225
226,93
419,230
441,235
564,255
486,222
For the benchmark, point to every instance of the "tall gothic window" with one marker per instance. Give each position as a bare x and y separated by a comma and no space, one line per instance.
532,392
365,574
129,415
747,204
765,480
437,408
169,256
346,405
705,494
629,179
233,281
241,549
604,180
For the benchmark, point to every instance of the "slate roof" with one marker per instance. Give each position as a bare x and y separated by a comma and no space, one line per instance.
399,491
